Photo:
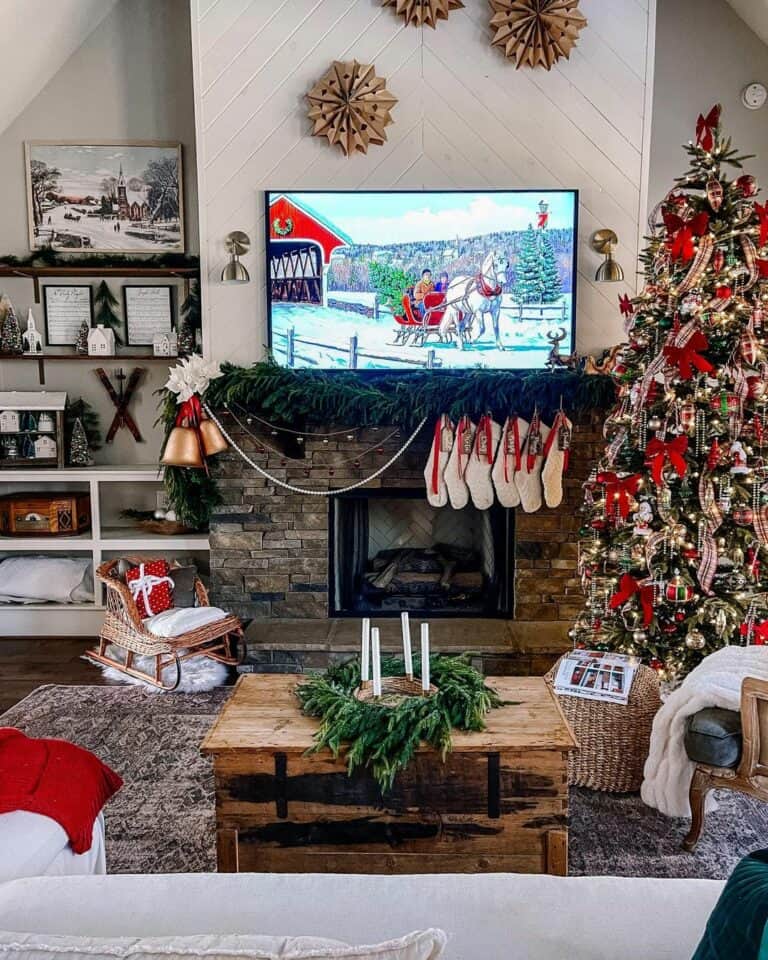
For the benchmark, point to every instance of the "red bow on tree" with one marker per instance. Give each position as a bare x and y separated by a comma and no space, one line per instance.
687,357
762,268
706,126
681,233
619,492
625,305
541,220
658,452
628,587
762,215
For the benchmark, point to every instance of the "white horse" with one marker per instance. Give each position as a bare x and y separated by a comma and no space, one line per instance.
469,299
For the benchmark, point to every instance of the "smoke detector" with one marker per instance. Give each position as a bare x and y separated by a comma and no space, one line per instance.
754,95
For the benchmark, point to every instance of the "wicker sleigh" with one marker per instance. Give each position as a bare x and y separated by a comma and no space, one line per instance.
614,739
221,641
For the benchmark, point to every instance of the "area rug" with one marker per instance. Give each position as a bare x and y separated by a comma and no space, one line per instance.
162,821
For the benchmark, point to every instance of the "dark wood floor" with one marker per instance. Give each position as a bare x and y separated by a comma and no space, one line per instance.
27,663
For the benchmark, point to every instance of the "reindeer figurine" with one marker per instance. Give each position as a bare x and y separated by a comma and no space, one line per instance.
555,358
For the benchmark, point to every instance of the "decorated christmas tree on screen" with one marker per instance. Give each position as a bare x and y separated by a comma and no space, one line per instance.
673,550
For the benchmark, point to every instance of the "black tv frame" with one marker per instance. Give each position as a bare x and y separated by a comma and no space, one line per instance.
438,370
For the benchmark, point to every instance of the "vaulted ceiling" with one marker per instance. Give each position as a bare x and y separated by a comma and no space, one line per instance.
39,36
755,14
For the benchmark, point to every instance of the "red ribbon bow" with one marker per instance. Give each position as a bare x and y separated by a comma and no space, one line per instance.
762,268
681,233
625,306
628,587
687,357
541,220
706,126
658,452
762,216
619,492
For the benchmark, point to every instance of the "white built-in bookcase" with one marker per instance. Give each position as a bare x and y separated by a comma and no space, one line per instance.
112,489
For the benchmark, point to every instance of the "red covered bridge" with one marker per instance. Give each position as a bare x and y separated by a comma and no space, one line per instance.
301,242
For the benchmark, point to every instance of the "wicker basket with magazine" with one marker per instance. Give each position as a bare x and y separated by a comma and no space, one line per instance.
613,738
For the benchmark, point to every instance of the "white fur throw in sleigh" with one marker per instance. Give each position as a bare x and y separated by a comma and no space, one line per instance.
716,682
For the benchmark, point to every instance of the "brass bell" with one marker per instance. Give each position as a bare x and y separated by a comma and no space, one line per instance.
212,438
182,448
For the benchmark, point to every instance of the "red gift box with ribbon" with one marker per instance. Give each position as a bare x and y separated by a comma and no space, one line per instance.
151,587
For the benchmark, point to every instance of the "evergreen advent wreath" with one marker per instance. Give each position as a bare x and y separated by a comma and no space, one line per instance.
384,736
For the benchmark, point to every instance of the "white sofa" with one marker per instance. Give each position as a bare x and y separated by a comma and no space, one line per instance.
487,916
32,845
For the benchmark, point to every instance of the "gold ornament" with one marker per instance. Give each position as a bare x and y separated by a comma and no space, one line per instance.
350,106
536,32
211,438
182,448
423,12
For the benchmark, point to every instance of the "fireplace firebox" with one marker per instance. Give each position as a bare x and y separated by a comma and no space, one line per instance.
390,551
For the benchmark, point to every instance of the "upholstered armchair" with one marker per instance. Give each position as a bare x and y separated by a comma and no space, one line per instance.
730,749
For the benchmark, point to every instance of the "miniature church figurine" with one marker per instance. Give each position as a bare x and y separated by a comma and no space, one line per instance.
31,339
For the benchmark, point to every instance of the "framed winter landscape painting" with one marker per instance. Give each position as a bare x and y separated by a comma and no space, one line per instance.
421,279
105,197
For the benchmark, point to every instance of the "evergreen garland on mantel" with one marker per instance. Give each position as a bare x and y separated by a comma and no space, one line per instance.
384,738
299,398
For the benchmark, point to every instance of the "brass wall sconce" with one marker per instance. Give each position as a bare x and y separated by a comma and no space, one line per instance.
237,243
603,242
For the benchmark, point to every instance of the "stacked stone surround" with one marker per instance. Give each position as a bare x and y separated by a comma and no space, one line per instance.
269,546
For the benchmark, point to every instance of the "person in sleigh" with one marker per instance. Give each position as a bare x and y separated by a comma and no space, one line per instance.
422,288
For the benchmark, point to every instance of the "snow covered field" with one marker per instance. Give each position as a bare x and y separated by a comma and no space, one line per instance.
525,343
101,233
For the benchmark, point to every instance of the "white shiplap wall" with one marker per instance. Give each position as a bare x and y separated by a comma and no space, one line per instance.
465,118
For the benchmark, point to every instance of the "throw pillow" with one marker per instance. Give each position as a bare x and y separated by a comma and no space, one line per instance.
735,928
150,587
422,945
56,779
183,585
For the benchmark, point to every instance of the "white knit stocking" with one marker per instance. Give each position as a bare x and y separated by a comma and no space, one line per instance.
528,479
507,462
434,472
556,460
478,475
458,492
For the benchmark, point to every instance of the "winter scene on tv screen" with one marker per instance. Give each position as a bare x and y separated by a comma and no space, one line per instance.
409,281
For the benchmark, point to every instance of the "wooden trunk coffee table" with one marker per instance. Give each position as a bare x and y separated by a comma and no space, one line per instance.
498,804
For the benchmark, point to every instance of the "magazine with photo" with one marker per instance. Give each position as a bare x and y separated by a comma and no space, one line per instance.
596,675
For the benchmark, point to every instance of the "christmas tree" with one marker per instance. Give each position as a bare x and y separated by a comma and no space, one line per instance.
551,285
105,302
192,320
10,332
673,550
81,343
79,454
527,285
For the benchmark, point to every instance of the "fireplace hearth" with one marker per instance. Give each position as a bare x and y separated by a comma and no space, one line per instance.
390,551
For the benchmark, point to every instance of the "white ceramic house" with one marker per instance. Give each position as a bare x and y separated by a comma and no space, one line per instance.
9,421
31,338
101,342
45,448
165,344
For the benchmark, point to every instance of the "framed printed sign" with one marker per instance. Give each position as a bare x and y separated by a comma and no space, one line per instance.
105,196
66,309
148,312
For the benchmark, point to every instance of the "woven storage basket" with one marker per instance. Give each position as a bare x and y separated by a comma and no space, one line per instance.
614,738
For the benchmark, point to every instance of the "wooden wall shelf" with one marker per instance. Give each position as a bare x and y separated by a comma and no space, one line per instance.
35,273
42,359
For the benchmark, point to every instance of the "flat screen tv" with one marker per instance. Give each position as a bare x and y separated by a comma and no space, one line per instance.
412,280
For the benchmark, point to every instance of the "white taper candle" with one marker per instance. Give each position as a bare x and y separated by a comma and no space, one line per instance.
376,661
365,655
425,657
407,653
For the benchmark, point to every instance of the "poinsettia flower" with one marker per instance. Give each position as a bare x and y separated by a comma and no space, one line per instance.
191,376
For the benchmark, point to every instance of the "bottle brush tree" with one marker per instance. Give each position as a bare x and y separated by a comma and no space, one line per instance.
674,545
104,302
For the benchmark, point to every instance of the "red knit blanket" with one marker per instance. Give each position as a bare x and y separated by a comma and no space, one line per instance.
57,779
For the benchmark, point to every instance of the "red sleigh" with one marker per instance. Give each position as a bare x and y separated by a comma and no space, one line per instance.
411,326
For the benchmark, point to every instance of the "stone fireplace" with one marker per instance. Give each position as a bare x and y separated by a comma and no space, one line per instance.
390,551
274,552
